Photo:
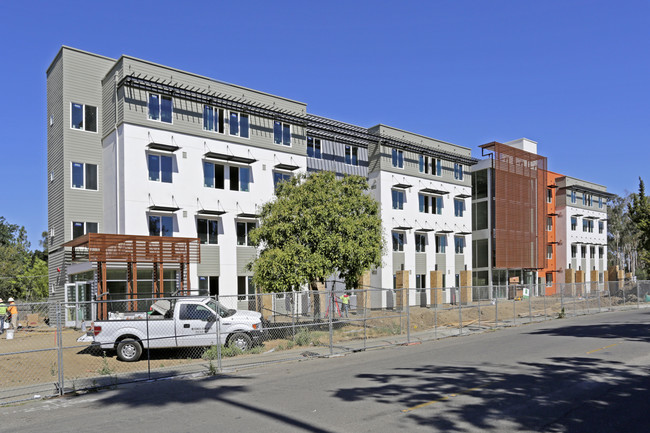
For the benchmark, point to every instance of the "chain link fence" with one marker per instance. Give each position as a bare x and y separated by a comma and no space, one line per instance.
53,351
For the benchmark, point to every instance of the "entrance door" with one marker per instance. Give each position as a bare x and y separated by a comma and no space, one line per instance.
77,304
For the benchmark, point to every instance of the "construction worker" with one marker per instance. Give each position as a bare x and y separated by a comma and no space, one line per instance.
13,313
345,300
3,313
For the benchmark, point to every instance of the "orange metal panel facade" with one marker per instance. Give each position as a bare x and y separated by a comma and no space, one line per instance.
519,207
551,264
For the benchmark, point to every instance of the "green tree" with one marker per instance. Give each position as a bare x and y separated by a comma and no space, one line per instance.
317,226
639,210
23,274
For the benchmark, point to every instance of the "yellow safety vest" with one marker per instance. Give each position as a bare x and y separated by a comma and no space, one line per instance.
3,309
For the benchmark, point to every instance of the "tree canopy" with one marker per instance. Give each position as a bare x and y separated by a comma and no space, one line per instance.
639,211
315,227
23,274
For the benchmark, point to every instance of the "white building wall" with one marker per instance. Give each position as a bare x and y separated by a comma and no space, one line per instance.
410,216
570,237
187,190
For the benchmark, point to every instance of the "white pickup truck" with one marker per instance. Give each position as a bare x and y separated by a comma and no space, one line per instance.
181,322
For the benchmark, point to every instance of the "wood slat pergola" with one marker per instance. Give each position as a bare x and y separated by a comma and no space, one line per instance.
104,248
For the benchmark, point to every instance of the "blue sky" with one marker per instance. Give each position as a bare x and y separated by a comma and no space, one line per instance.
572,75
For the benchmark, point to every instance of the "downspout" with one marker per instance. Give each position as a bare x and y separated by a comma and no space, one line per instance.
117,166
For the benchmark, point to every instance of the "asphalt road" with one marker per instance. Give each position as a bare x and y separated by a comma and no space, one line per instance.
588,374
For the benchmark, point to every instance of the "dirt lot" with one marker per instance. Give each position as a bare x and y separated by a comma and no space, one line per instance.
31,357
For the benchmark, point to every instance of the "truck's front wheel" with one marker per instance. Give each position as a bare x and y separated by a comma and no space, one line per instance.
129,350
241,341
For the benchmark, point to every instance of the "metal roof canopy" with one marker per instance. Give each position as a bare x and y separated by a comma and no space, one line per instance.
163,147
210,212
230,158
316,125
288,167
433,191
164,208
402,185
588,190
104,247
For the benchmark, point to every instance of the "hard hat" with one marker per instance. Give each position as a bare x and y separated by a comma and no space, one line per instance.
1,300
10,299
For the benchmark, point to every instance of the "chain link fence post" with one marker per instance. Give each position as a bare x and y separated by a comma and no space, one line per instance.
460,312
496,312
408,315
435,314
365,316
329,318
479,308
530,306
638,295
59,344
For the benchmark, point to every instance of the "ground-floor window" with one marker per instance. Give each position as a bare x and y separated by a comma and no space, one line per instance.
209,286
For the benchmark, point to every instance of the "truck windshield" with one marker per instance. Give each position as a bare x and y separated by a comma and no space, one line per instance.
220,309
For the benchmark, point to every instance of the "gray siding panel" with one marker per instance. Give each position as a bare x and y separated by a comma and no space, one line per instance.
334,160
420,263
398,262
210,264
245,255
460,262
441,261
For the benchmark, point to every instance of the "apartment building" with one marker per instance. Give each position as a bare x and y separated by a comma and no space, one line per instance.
137,148
534,226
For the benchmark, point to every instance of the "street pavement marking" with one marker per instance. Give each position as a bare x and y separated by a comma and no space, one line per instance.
606,347
447,397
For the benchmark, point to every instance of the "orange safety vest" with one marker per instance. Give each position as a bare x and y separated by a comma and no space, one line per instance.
12,309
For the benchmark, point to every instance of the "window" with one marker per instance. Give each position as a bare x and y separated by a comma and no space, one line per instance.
441,243
352,155
574,251
586,199
458,171
398,158
398,199
600,252
239,178
279,177
84,176
83,117
420,282
573,196
243,232
161,225
424,164
160,167
430,204
583,252
82,228
549,224
160,108
459,207
245,285
420,242
459,244
213,175
314,148
398,241
549,195
549,279
574,223
208,286
549,252
588,225
238,124
601,227
436,167
600,202
213,119
281,133
592,252
207,231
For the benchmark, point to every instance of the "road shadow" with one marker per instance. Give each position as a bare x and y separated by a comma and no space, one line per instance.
627,331
217,389
550,395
